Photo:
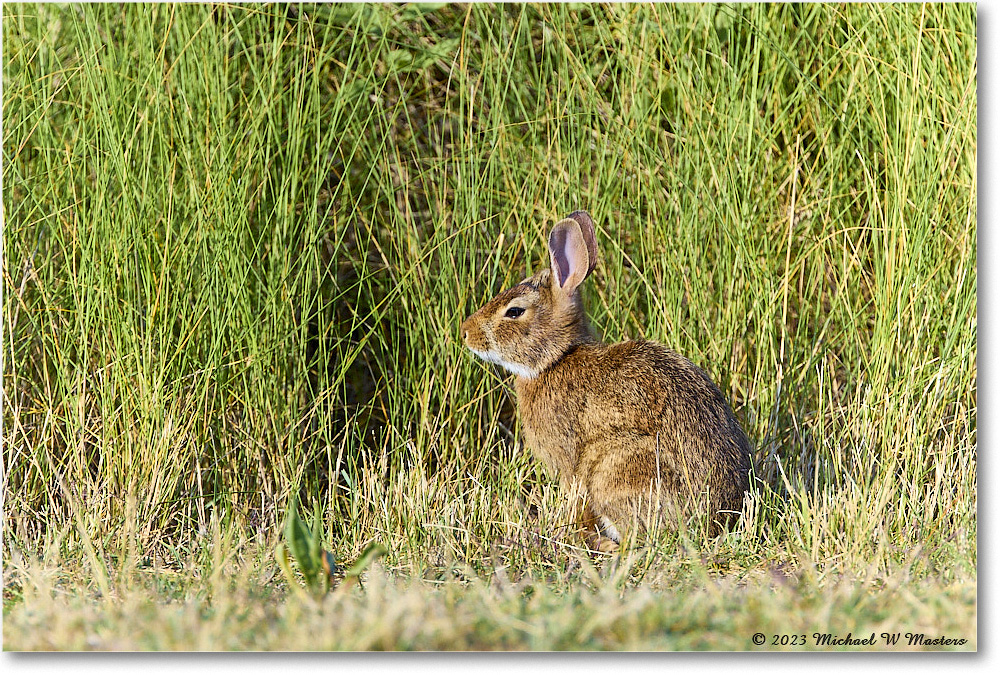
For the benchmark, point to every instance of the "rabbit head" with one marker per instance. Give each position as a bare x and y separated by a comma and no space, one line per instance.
529,327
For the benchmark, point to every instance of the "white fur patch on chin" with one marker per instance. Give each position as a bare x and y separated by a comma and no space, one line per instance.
516,368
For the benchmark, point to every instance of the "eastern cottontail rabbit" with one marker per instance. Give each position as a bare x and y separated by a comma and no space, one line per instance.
640,429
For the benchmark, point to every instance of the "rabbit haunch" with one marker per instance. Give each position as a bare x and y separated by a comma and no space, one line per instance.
643,431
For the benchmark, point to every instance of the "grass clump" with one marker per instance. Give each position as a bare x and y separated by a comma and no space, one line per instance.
239,241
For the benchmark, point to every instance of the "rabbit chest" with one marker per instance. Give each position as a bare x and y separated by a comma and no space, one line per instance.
594,393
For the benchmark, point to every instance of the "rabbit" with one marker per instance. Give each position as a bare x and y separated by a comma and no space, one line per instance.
641,433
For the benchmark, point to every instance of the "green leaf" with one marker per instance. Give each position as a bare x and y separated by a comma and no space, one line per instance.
299,540
411,60
399,60
372,552
415,10
281,557
315,543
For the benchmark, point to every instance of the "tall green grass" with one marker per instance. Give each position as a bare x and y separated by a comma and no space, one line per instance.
239,241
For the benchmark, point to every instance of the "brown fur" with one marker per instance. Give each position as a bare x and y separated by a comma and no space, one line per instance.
644,432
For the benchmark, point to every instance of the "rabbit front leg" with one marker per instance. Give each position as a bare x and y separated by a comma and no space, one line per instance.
597,531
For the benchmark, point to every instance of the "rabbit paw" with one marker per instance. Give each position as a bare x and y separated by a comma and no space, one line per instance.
601,544
606,545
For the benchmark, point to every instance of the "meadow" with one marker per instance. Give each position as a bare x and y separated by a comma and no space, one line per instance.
238,242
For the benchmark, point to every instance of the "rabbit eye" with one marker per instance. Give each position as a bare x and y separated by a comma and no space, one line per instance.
514,312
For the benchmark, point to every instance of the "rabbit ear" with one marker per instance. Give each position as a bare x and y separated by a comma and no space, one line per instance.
587,228
573,250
